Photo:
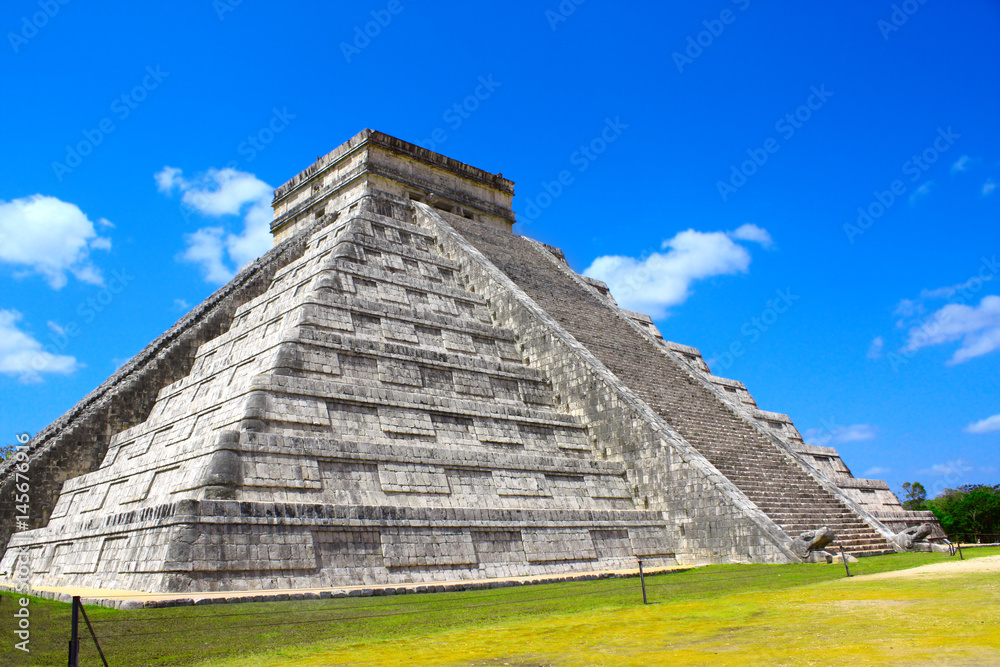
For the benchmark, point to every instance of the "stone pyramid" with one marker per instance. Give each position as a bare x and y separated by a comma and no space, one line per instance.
404,390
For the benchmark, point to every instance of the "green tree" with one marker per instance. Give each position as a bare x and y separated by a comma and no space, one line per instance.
969,511
916,495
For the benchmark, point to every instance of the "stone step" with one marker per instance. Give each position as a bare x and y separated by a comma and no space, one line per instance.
749,458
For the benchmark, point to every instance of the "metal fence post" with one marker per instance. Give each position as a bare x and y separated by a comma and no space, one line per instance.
642,580
74,638
93,635
843,556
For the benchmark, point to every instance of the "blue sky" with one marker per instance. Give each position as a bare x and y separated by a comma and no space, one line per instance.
805,195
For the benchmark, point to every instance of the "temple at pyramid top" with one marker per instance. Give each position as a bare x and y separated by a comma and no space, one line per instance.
374,160
404,390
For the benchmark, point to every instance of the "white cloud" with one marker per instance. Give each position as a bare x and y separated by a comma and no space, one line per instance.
23,356
977,327
223,192
949,469
181,304
988,187
751,232
853,433
50,237
207,247
875,349
663,279
987,425
167,179
908,308
952,290
921,192
825,437
875,472
961,164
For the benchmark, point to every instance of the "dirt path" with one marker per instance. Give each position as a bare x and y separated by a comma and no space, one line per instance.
987,564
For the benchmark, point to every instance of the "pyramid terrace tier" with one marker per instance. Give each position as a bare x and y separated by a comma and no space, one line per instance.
529,470
227,545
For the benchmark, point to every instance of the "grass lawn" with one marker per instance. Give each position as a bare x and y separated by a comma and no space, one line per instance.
734,614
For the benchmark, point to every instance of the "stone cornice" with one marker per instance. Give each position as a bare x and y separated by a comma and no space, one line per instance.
371,137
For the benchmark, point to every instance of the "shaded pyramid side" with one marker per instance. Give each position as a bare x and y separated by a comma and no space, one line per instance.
765,472
362,421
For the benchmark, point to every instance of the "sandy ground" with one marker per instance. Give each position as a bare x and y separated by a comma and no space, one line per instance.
985,564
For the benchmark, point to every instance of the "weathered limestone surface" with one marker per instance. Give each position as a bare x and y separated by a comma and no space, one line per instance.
812,540
361,421
915,538
872,495
76,443
712,520
766,471
398,168
403,390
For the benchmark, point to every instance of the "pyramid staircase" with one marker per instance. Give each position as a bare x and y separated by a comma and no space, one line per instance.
749,457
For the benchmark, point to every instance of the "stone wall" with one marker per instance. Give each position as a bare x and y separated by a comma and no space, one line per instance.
361,421
77,442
